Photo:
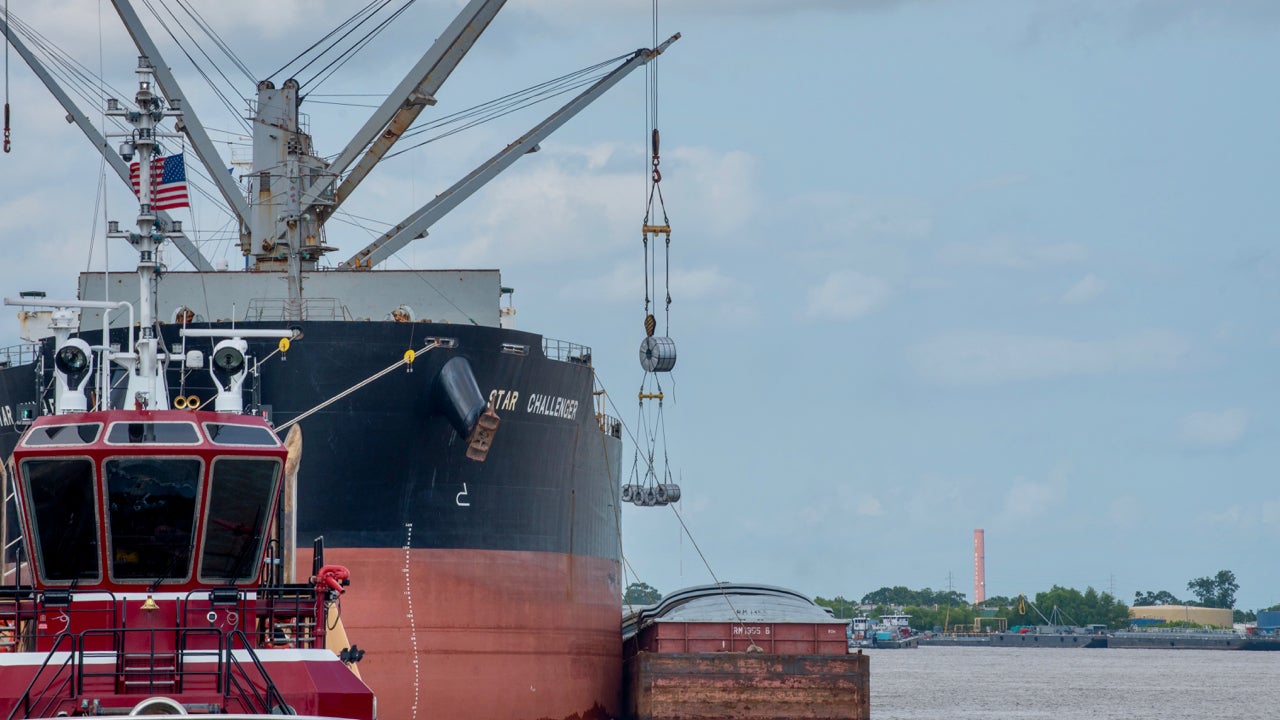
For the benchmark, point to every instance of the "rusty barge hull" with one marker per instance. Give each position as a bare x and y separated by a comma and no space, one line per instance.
747,686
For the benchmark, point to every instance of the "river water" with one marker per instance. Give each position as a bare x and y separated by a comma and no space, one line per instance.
949,683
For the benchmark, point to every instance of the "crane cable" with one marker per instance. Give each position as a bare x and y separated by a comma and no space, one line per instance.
7,145
657,352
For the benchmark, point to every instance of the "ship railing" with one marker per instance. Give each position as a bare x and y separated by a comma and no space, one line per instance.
58,684
284,309
566,351
132,661
18,614
23,354
287,618
259,693
609,425
201,660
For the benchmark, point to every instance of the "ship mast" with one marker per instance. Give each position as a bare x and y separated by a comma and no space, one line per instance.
147,389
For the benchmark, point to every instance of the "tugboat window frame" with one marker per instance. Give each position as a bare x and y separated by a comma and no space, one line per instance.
32,519
214,429
151,425
31,439
250,555
155,571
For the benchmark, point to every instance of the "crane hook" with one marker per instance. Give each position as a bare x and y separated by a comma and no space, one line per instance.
657,174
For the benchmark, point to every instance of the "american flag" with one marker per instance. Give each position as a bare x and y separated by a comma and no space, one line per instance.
168,182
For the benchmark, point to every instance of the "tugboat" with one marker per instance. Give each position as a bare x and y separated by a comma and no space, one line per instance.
149,575
861,633
894,632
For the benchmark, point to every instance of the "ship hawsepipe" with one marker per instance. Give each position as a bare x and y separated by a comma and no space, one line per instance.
490,589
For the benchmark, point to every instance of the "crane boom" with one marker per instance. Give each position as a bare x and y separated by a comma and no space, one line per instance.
403,105
416,225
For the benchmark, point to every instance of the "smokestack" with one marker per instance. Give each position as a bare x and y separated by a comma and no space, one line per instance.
979,568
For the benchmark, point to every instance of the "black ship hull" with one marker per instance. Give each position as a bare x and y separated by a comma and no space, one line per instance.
510,565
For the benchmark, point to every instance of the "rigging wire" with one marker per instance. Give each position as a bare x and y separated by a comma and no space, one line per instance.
183,27
350,219
208,81
343,55
76,78
100,194
328,35
351,52
217,40
503,106
519,96
683,525
6,79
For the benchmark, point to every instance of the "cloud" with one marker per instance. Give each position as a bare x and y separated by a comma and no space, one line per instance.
1213,430
984,358
722,186
1028,499
850,216
1126,511
1008,252
576,9
869,507
1146,16
846,295
1133,19
570,201
625,284
1265,513
1089,288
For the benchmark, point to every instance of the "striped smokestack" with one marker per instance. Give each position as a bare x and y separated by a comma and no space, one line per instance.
979,568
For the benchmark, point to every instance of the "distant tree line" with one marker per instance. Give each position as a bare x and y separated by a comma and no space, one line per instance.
1218,591
950,610
900,595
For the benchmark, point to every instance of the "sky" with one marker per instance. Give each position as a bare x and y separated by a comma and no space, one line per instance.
935,266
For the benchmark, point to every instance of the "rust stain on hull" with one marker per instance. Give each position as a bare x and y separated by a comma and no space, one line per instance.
742,686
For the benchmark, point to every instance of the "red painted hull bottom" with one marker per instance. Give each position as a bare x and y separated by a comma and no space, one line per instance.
484,633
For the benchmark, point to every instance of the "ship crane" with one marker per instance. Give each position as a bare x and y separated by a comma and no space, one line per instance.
402,106
415,226
282,219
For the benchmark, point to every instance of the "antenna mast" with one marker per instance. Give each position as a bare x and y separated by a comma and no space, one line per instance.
147,387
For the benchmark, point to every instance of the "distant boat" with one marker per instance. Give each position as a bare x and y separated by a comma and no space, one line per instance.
1053,635
892,632
1192,639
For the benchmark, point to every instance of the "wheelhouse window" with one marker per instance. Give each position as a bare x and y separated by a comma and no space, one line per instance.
241,492
151,516
82,434
63,518
162,433
232,434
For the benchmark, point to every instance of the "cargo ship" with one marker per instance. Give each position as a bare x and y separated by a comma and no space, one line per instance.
460,468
